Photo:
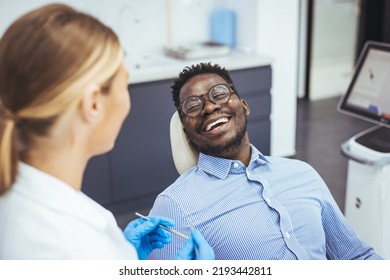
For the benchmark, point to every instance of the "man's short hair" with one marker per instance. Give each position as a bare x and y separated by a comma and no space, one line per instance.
194,70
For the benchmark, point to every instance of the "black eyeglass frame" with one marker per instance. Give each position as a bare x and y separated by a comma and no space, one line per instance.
230,86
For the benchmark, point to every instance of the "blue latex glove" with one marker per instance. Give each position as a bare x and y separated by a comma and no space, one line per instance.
196,248
146,235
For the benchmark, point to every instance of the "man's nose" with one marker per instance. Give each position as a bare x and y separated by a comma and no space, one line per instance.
209,106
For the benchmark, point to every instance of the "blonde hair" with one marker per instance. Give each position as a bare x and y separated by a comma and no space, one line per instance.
47,58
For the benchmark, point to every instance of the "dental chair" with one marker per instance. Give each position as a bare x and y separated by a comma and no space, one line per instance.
184,156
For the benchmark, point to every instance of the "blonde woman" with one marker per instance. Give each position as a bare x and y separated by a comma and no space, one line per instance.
63,99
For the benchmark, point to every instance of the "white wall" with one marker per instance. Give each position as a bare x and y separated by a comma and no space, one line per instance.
10,10
140,24
278,36
333,47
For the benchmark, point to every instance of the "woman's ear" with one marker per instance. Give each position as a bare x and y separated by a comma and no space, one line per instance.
92,104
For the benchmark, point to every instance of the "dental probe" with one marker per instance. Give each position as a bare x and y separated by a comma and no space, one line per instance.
164,227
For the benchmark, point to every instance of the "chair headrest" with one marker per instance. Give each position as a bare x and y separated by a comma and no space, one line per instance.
184,155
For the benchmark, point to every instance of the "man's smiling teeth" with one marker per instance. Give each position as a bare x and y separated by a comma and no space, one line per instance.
211,125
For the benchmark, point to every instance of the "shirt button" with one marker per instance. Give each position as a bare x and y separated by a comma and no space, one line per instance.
267,199
236,165
287,234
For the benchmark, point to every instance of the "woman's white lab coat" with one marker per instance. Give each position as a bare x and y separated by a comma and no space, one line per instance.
41,217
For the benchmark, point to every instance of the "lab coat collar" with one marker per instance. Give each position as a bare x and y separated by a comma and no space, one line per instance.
56,195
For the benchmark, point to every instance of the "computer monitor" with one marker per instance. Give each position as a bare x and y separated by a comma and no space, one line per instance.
368,95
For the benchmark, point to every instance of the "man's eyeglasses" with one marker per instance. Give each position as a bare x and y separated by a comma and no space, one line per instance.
218,94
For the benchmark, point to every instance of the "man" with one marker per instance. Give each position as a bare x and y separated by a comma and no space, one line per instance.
247,205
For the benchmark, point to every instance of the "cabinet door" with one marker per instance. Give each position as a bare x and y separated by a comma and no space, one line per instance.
259,105
259,135
256,80
254,85
142,163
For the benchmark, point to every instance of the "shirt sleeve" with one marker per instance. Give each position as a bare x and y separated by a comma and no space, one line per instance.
166,207
342,243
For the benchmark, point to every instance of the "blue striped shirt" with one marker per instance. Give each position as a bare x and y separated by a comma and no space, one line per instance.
276,208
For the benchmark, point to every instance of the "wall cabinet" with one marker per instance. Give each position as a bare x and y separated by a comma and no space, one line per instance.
141,165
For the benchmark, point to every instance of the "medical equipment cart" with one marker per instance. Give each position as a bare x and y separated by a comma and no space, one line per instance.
367,205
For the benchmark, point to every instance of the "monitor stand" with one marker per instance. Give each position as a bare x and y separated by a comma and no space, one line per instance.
377,139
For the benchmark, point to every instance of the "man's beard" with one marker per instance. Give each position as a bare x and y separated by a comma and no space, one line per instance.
219,150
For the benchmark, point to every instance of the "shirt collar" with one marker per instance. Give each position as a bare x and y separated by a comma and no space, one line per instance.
220,167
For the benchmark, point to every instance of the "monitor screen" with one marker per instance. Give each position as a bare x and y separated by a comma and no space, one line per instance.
368,95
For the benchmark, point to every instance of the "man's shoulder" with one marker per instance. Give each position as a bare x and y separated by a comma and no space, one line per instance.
285,161
290,166
186,181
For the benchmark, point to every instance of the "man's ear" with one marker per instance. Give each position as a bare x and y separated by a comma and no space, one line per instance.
92,104
246,107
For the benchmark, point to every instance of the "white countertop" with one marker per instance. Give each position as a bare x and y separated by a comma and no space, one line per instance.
146,68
